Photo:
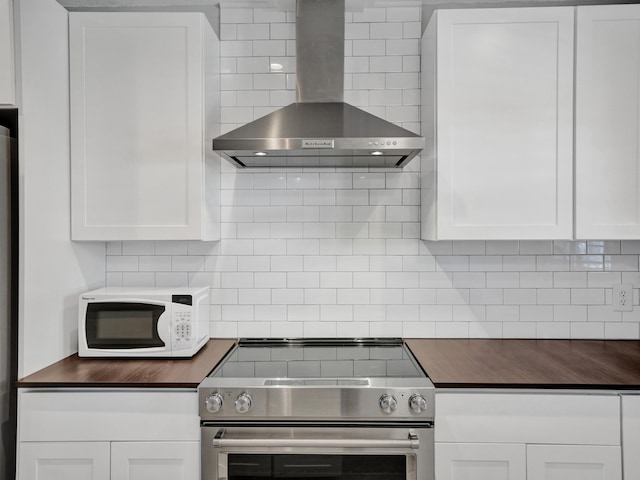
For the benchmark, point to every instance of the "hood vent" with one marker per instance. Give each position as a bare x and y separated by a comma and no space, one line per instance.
319,130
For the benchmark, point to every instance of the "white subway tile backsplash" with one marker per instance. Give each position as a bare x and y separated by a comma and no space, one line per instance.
586,263
554,296
621,263
589,330
171,279
287,296
269,48
385,64
621,331
613,247
553,330
296,246
485,330
385,263
486,296
385,30
519,329
536,313
336,252
536,247
520,296
452,330
452,296
356,31
155,263
253,31
570,279
587,296
502,313
116,263
502,280
386,296
358,263
137,279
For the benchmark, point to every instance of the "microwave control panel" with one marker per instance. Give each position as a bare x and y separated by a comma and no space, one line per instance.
182,334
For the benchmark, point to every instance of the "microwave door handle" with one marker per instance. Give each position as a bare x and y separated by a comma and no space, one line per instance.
411,441
164,327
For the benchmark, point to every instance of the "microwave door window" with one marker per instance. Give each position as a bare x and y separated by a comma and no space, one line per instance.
123,325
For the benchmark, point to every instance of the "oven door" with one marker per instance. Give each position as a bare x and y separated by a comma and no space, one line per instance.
318,452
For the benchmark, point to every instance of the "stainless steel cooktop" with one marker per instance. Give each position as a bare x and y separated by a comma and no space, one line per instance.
333,379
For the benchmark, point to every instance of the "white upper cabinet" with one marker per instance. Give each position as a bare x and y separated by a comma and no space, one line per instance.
498,112
608,122
7,67
144,108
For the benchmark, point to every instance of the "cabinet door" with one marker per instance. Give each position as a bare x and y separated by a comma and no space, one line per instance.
631,435
608,122
63,460
463,461
504,99
138,85
156,460
571,462
7,76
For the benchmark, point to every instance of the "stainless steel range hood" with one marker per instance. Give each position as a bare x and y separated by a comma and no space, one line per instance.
319,130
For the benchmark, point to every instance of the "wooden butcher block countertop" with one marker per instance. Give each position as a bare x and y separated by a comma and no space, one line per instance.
610,364
464,363
74,371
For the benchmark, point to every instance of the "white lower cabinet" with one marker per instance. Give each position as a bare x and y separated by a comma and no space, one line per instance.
480,461
109,460
64,460
573,462
108,435
528,436
157,461
631,436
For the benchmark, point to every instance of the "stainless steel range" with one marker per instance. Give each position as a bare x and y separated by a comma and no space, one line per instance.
317,408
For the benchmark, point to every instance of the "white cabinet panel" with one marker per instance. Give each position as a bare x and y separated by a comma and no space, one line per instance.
631,435
464,461
156,460
528,418
608,122
571,462
502,92
144,97
99,434
7,66
64,461
96,415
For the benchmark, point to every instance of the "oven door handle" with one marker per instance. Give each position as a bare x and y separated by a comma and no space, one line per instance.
411,441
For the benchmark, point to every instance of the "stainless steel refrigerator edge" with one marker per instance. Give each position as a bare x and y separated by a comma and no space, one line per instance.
8,305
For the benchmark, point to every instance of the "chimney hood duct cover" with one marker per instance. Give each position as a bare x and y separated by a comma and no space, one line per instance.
319,130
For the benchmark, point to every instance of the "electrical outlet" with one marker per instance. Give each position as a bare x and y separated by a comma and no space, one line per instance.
623,297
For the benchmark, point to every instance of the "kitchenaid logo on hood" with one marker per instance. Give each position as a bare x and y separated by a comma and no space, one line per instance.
317,143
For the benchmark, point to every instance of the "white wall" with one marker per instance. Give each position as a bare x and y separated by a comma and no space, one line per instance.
337,253
53,270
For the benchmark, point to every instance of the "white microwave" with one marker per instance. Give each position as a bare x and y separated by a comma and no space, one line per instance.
149,322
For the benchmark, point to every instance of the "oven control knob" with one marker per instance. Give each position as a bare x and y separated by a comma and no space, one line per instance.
417,403
213,403
388,403
243,403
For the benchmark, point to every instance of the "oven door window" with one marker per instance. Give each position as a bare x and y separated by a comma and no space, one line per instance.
319,467
123,325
